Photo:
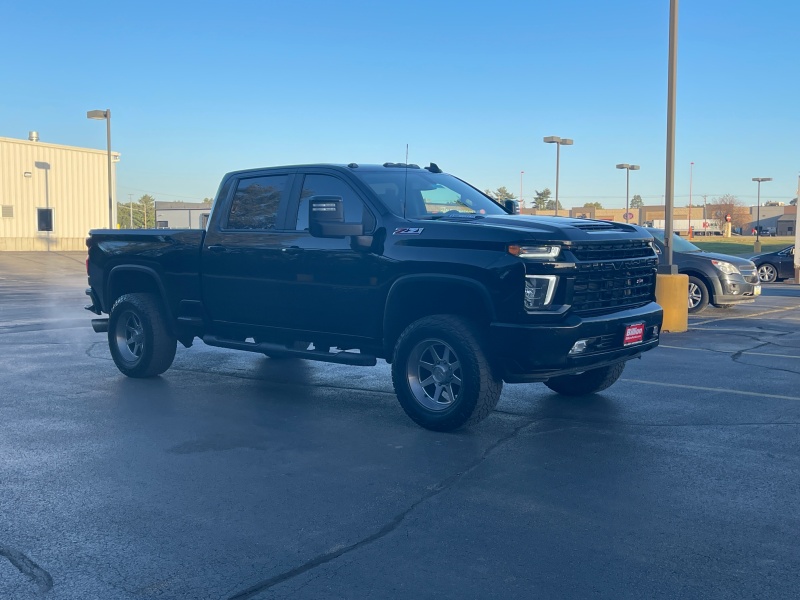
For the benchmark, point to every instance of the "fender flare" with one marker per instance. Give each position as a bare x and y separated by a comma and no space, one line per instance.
405,281
150,272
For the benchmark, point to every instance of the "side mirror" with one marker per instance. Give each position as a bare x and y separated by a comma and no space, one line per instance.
326,218
512,207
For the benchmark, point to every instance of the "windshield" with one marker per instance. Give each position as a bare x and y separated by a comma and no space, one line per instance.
427,195
678,244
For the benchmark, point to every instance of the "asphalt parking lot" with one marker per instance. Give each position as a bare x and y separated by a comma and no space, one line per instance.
233,476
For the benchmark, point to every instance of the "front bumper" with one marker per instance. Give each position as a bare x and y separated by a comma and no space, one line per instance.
527,353
735,289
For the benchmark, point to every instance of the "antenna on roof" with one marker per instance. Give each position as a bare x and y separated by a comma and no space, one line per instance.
405,185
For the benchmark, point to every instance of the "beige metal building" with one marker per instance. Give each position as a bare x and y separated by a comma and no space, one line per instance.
52,195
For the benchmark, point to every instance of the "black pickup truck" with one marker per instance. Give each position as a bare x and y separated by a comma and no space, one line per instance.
352,263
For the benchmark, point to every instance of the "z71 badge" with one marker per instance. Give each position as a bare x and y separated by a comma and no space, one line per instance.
408,230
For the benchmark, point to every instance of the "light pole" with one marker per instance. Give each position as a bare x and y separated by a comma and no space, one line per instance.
691,175
521,201
628,168
101,115
554,139
757,247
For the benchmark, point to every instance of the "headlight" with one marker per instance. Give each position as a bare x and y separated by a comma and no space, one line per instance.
725,267
539,290
540,252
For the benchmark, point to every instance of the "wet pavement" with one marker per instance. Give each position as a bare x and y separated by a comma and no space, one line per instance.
236,476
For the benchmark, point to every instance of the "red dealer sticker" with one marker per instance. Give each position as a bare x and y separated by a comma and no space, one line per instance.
634,334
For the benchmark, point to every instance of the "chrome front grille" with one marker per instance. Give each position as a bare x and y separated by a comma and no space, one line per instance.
750,275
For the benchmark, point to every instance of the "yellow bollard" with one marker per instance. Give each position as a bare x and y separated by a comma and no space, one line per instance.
672,293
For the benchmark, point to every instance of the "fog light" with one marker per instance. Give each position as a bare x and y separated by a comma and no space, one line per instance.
578,347
539,290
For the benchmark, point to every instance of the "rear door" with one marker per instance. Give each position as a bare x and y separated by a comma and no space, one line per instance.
242,251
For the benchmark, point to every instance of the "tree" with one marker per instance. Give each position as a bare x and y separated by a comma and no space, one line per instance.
501,194
143,207
541,200
793,201
636,201
551,205
592,205
147,206
728,204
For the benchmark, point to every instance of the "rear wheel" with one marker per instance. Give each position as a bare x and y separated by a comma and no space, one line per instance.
588,382
138,338
767,273
698,295
441,375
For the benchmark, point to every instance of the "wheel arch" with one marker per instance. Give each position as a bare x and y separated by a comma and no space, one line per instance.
412,297
133,279
712,283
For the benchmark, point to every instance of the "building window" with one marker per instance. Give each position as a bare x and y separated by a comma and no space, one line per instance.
45,219
8,211
162,224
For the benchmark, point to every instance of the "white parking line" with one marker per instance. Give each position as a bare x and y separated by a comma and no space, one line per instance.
730,351
749,316
713,389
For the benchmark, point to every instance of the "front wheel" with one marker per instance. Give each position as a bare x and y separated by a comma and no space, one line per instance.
698,295
588,382
441,375
138,338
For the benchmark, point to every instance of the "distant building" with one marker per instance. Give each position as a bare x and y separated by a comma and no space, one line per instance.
182,215
52,195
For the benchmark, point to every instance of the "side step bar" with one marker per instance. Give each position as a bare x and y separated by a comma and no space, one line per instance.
343,358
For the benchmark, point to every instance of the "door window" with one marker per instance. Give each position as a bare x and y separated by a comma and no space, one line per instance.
255,204
326,185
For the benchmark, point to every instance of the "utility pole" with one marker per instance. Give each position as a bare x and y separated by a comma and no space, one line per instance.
797,236
667,268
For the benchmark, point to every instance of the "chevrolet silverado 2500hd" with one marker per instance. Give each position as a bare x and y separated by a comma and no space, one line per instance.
353,263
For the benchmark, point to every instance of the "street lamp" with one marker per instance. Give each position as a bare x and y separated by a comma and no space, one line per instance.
691,175
628,168
100,115
758,209
554,139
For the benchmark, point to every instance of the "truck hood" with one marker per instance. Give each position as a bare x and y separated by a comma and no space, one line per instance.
556,228
734,260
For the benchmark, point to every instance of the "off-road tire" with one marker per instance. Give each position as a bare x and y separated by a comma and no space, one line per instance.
588,382
138,337
701,295
478,389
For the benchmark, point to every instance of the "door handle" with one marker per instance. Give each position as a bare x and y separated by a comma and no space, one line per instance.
218,248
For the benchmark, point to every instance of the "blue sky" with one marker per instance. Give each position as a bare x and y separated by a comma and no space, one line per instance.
197,89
